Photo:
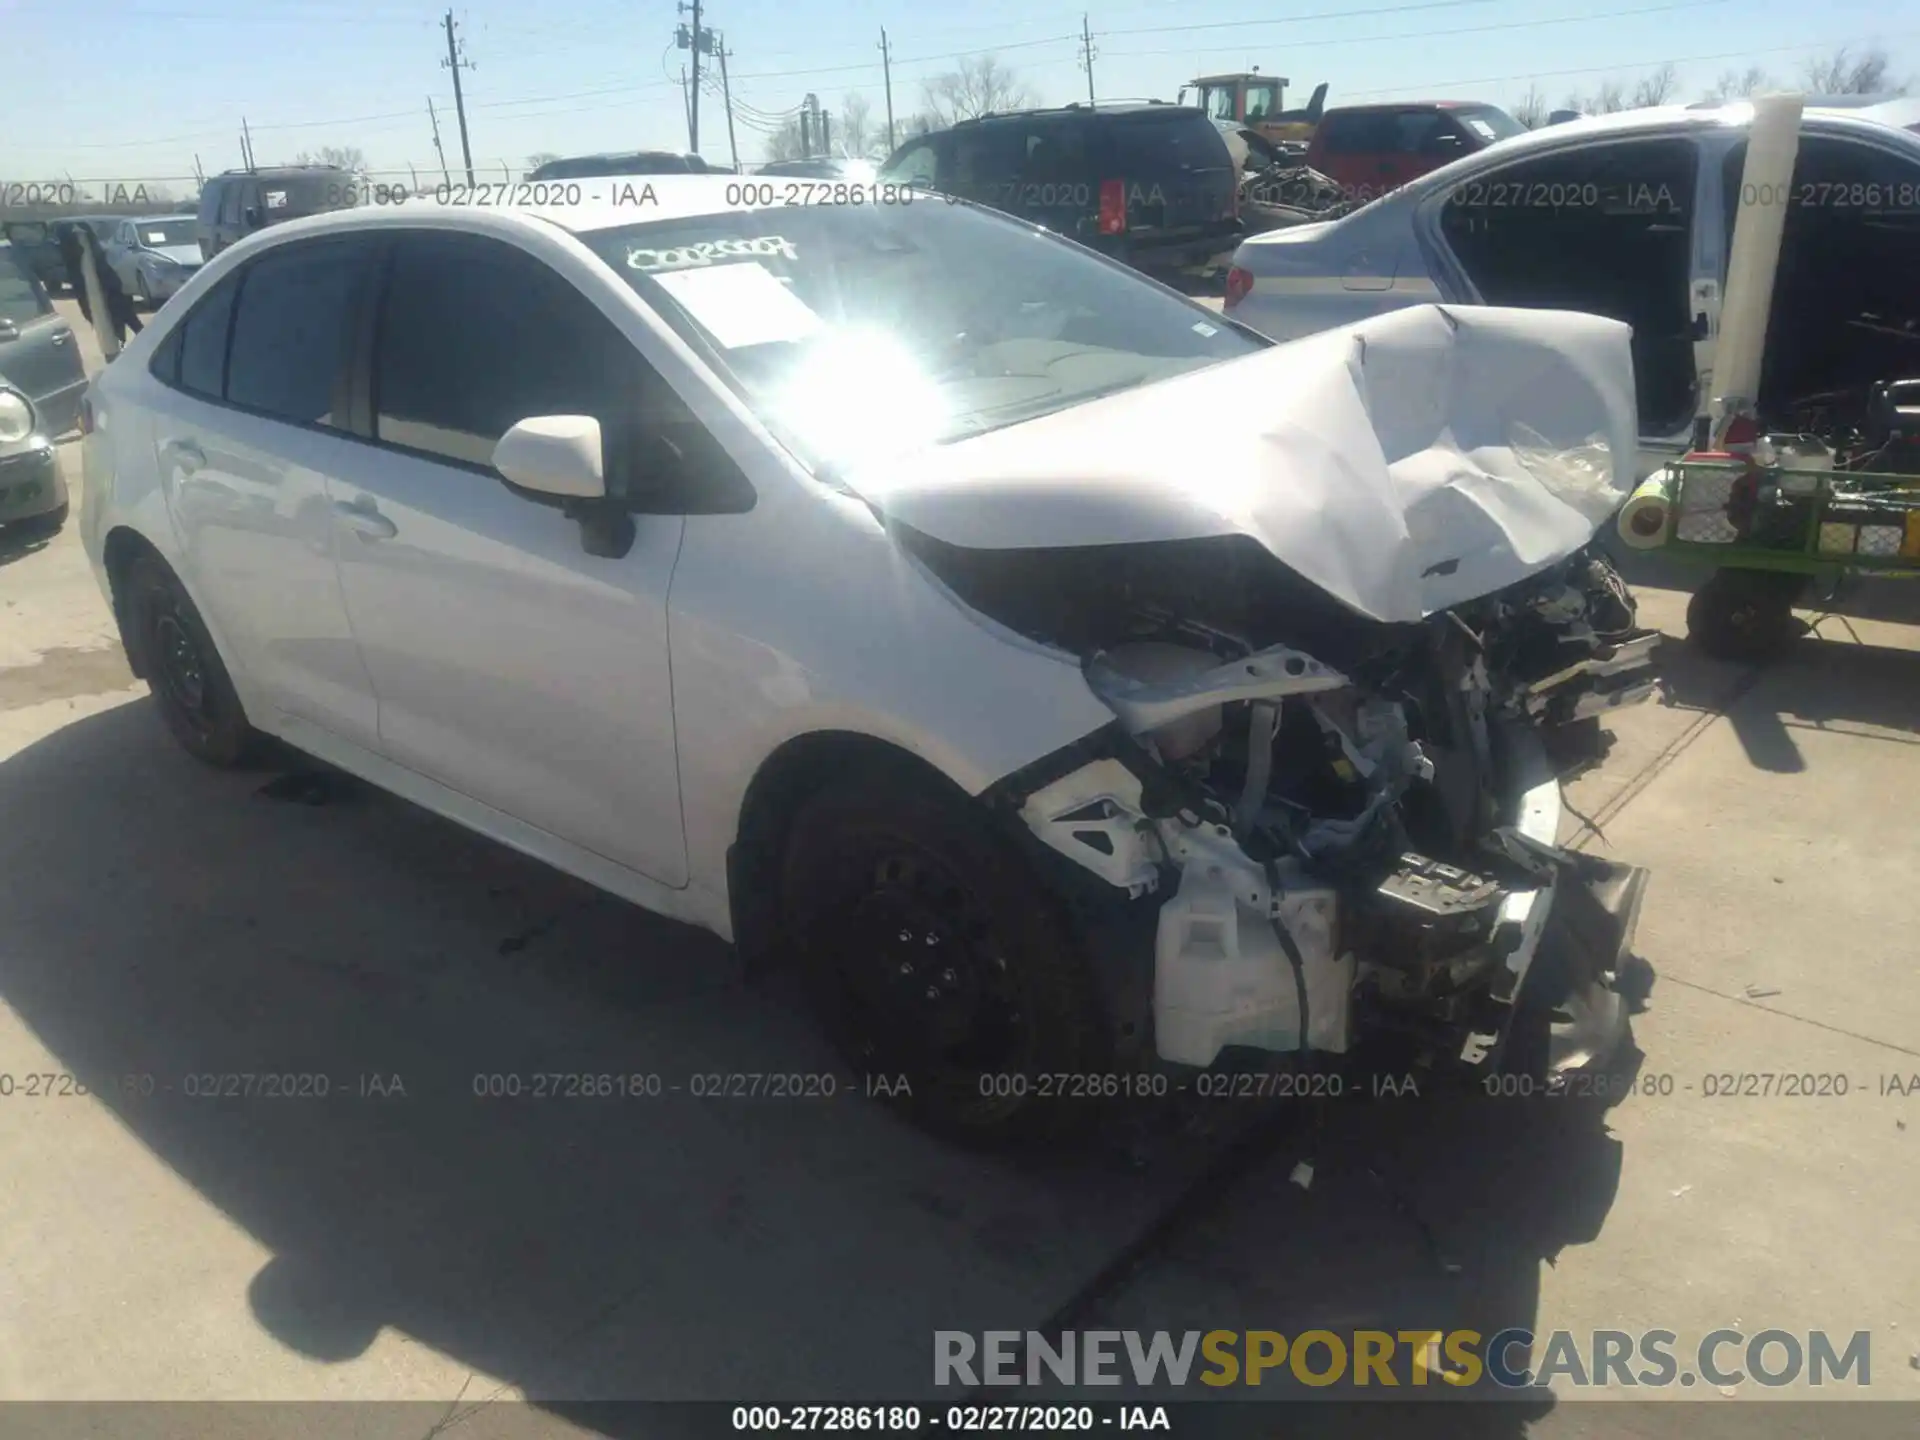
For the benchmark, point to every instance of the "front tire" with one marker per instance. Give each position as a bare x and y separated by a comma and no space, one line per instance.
190,684
932,953
1745,616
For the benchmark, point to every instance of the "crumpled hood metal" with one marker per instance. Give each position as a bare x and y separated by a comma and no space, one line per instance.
1404,464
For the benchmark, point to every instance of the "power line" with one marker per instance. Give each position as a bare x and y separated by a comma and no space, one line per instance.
631,90
1483,29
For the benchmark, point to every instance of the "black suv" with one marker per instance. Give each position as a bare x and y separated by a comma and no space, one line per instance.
1148,183
631,162
235,204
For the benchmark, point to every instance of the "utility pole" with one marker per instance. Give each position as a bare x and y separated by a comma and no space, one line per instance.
1087,52
199,175
886,70
438,148
456,62
806,133
246,144
726,94
697,40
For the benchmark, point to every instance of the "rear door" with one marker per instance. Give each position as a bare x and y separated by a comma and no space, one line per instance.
1179,176
38,354
1423,140
249,421
1355,147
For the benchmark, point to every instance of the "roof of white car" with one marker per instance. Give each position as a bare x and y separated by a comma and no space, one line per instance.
605,202
1897,112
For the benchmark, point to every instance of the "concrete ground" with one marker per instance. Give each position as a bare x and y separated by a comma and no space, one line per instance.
405,1239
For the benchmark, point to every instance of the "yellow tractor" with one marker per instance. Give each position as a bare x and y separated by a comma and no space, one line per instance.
1255,100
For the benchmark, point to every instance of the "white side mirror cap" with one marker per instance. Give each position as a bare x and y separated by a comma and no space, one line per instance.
554,455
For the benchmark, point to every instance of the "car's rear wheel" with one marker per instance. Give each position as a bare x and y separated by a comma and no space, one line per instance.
935,957
190,684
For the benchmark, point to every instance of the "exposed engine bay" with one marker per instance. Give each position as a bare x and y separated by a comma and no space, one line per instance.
1347,827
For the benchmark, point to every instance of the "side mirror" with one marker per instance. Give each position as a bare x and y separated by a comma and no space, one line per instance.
556,455
562,456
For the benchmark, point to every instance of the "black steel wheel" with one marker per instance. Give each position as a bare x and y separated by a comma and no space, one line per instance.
1744,615
935,958
190,684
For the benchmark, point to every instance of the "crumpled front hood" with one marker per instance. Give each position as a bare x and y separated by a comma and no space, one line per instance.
1404,464
188,255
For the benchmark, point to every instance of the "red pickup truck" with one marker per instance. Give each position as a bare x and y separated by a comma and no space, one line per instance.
1371,149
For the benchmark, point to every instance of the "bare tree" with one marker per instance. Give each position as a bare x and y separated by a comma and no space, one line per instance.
539,158
1609,99
348,157
979,85
1658,88
784,143
857,134
1844,73
1739,84
1532,109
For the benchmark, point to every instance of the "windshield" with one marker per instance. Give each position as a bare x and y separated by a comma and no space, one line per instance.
158,234
26,232
863,330
1490,124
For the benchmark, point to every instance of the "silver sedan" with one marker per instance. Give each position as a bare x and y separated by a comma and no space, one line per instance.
1630,216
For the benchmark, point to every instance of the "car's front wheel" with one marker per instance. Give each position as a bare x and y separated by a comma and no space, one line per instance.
190,684
942,969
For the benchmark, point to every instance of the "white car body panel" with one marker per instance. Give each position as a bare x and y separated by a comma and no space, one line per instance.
595,784
420,625
1382,461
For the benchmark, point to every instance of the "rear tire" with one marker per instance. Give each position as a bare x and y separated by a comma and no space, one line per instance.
190,684
932,953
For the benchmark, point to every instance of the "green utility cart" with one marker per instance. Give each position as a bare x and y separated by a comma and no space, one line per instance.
1768,529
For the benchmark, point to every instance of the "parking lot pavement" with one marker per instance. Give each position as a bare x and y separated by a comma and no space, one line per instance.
165,926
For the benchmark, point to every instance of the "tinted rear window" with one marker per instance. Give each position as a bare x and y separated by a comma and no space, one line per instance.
1369,133
1172,142
1487,123
284,196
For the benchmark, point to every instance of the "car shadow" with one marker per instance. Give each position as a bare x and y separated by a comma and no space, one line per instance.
1828,675
21,538
172,929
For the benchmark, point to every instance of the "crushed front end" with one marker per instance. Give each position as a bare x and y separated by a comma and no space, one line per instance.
1319,829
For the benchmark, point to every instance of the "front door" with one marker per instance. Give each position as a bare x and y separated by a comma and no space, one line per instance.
38,355
1603,227
509,665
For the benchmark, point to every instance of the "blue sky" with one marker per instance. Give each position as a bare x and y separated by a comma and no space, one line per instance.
134,90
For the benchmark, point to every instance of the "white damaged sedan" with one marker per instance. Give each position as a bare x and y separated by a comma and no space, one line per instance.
1072,682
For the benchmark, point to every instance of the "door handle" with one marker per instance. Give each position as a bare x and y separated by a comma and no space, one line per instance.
185,454
62,337
362,516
